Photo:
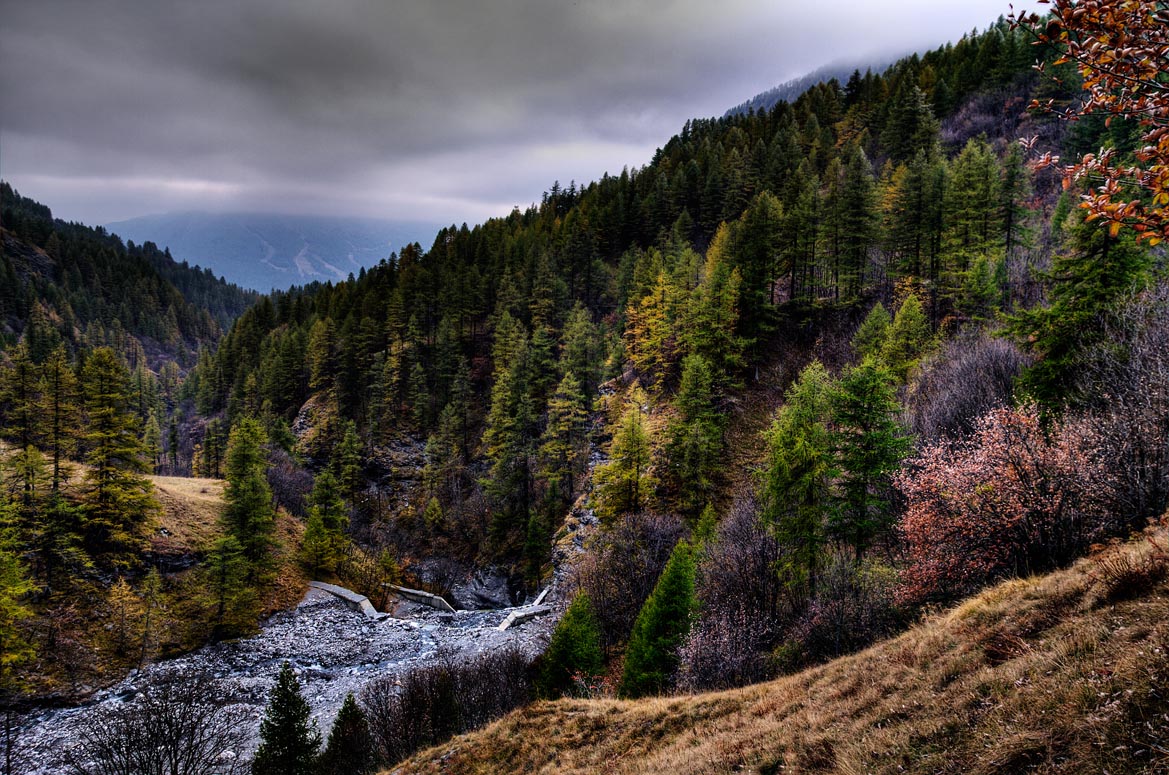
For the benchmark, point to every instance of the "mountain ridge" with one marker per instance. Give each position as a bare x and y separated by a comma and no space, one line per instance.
267,251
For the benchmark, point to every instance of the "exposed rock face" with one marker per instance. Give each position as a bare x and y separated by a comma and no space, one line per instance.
334,650
486,588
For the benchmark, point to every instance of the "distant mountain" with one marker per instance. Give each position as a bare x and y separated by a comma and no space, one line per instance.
275,251
788,91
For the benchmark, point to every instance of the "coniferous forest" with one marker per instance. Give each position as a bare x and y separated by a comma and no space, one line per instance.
818,372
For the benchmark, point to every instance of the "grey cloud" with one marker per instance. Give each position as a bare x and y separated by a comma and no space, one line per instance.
359,106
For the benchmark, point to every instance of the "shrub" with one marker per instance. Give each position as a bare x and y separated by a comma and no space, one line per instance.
430,704
1011,499
854,606
968,378
726,648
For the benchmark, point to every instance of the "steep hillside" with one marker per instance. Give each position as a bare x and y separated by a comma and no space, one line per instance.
275,251
1065,673
66,282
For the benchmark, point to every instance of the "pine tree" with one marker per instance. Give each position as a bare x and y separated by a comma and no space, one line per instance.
562,447
908,338
870,338
20,389
869,445
232,600
288,741
695,438
574,650
61,412
117,500
624,483
346,462
509,434
651,658
349,750
796,487
581,351
249,515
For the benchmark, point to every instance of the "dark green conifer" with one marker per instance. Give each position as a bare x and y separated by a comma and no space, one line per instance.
288,740
574,651
349,750
651,659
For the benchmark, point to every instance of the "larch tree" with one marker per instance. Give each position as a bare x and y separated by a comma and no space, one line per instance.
117,500
624,483
796,487
869,446
249,515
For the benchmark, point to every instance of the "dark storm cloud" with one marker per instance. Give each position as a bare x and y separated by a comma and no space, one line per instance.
435,109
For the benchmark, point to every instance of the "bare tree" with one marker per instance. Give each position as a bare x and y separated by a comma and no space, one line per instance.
172,728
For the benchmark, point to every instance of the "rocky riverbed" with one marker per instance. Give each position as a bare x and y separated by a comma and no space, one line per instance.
334,650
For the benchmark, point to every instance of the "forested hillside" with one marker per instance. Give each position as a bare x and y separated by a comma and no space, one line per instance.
810,372
742,234
69,283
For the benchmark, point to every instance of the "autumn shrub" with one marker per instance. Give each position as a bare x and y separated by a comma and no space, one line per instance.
1011,499
432,703
969,377
621,568
737,571
291,483
726,648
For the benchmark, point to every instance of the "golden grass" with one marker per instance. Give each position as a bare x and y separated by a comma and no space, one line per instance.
1035,675
190,513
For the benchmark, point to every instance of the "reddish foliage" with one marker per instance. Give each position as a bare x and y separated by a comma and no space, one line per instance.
1120,51
1010,499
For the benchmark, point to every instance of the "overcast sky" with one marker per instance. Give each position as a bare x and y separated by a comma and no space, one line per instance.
438,110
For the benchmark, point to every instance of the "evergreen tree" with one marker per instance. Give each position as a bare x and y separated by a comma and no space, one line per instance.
908,338
349,750
324,538
562,447
1086,282
20,391
869,339
249,515
869,445
695,445
288,741
346,462
574,650
232,600
509,434
651,658
117,500
581,351
796,487
624,483
61,413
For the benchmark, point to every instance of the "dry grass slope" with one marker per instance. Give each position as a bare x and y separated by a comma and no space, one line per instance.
1045,675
